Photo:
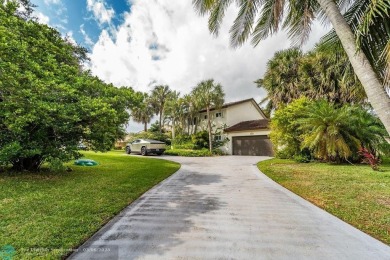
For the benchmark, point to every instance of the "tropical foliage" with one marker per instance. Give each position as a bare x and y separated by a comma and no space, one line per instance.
144,112
296,18
328,131
318,74
159,97
48,103
209,95
370,22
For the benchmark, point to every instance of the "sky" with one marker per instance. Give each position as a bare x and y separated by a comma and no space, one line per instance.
143,43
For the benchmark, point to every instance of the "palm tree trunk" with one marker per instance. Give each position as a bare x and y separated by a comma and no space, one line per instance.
159,121
209,127
196,125
145,126
375,91
173,133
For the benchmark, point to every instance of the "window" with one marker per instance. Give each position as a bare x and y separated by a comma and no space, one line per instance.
205,116
219,114
217,138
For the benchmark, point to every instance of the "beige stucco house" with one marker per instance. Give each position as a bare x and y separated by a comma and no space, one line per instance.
245,126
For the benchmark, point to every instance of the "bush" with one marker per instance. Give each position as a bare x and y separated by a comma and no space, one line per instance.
302,158
201,139
188,153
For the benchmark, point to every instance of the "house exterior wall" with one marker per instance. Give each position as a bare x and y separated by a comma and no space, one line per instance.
232,115
242,112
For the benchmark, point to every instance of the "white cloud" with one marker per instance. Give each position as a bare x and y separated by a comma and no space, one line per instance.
87,39
42,18
50,2
166,42
101,12
69,37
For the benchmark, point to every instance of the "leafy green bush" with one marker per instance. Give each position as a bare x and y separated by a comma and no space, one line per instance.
285,134
188,153
201,139
302,158
48,102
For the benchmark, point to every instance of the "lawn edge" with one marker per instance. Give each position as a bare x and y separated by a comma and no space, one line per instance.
302,201
111,221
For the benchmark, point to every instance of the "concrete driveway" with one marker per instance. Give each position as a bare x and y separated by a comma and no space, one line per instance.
225,208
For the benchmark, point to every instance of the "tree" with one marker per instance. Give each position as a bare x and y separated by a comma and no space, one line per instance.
369,20
328,131
159,96
209,95
281,79
319,74
144,113
175,110
298,20
285,133
48,103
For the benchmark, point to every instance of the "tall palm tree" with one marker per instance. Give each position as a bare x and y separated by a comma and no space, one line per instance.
209,95
144,113
281,79
191,112
298,21
159,96
175,110
370,22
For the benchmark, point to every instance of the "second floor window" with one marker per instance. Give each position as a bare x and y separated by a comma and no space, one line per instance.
219,114
217,138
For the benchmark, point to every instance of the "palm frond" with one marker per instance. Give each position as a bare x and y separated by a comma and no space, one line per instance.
217,13
242,25
268,23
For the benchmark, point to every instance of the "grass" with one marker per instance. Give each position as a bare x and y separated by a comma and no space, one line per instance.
356,194
44,215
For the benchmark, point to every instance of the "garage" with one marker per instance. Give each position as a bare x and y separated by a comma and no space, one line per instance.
259,145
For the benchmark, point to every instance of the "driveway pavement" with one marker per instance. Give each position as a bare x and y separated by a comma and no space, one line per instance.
224,208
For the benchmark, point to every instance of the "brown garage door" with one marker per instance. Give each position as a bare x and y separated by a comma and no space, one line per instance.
252,145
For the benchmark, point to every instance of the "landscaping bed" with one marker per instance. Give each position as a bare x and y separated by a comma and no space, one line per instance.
356,194
188,152
44,215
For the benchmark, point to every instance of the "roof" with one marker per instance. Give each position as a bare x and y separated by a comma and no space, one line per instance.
237,103
249,125
229,104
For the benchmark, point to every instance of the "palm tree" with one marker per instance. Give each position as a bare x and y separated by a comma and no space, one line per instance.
328,131
191,112
369,20
159,97
281,79
209,95
144,113
298,20
174,109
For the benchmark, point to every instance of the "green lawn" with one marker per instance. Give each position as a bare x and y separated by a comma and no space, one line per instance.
355,194
43,215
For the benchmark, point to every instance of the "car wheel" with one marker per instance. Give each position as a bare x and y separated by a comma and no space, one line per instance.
128,150
143,151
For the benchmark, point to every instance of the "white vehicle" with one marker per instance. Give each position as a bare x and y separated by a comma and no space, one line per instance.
145,147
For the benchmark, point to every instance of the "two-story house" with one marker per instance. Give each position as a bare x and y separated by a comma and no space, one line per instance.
244,124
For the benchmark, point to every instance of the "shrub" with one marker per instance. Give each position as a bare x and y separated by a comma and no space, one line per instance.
369,158
188,153
285,135
201,139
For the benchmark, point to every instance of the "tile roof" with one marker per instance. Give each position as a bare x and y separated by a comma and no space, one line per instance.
249,125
